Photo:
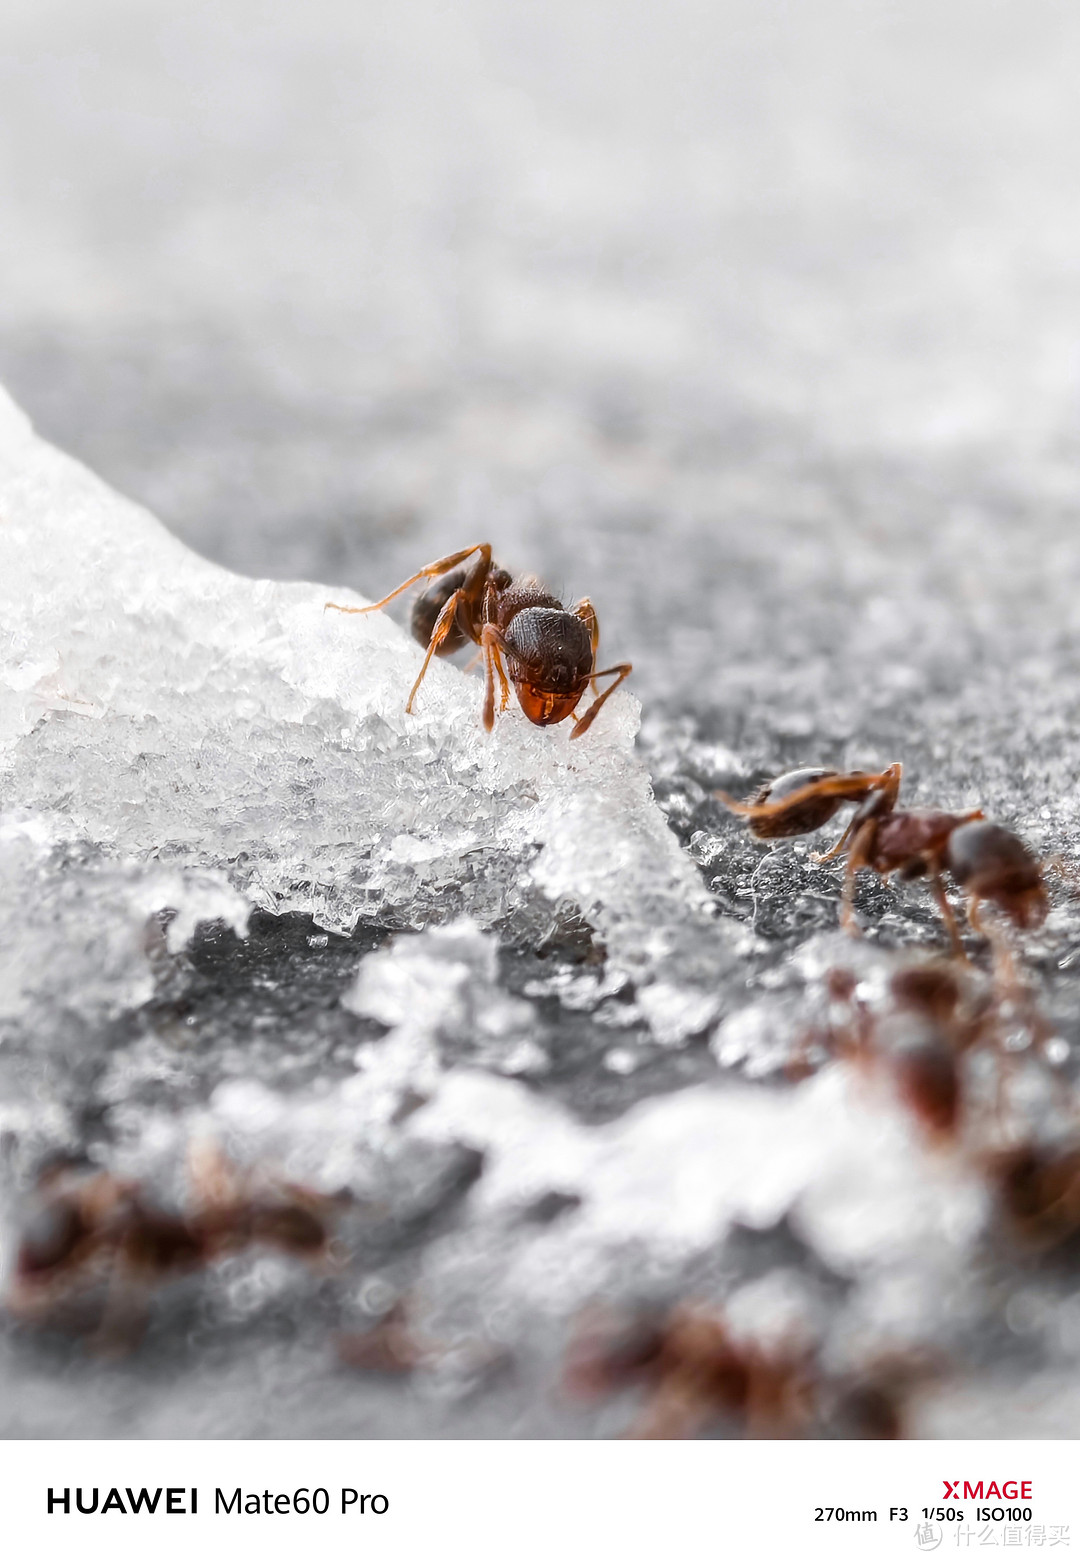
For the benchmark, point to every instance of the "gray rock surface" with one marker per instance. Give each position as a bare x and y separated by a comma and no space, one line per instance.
758,325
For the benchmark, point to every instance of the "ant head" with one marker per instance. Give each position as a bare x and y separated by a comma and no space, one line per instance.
551,660
1026,907
994,864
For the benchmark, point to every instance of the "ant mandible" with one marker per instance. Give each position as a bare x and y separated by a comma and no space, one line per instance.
550,652
987,861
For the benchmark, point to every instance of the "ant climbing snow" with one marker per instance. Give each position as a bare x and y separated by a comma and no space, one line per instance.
988,862
550,652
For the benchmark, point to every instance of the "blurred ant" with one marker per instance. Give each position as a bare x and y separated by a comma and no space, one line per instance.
917,1043
695,1371
937,1015
85,1228
988,862
550,652
1038,1192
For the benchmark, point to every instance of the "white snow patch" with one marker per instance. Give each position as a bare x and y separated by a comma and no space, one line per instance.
675,1174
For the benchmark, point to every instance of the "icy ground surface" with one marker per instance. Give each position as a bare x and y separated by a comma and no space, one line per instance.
760,328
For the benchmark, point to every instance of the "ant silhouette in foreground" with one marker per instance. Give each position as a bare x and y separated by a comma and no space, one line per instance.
695,1371
936,1018
987,861
915,1046
85,1229
550,652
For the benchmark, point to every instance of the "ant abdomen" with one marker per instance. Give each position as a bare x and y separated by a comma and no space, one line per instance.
927,1078
994,864
427,607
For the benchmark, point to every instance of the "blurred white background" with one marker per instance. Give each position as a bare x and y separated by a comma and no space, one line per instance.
335,288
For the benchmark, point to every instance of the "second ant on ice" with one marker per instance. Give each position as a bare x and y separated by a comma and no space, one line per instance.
987,861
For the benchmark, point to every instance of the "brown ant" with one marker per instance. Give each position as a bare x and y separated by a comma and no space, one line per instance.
916,1044
695,1371
86,1228
938,1014
988,862
550,652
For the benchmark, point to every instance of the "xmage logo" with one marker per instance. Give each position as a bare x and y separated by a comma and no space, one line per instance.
1004,1490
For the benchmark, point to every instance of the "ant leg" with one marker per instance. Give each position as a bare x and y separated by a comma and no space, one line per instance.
499,648
974,919
889,787
439,567
491,643
623,669
1004,962
948,916
890,777
587,613
443,625
835,850
858,856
